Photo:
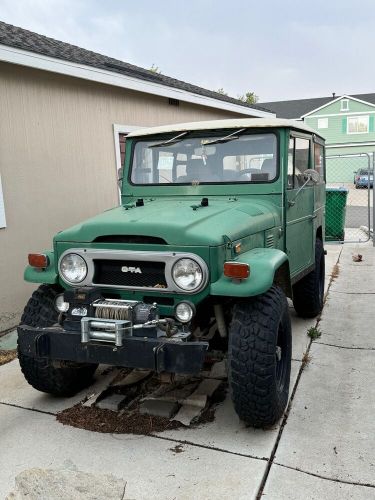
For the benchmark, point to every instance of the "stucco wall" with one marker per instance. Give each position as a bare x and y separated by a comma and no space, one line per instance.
57,160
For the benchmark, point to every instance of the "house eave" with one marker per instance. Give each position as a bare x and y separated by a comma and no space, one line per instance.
38,61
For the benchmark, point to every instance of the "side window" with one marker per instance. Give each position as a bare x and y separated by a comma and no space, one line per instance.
291,163
301,159
319,165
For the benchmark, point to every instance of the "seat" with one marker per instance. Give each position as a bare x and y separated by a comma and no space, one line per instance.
269,167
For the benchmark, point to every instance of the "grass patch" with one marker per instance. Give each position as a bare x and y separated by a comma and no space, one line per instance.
314,333
7,356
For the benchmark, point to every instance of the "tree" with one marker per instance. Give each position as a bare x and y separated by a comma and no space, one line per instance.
221,91
155,69
249,98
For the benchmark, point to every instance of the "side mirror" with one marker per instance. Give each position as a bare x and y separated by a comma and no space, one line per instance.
311,176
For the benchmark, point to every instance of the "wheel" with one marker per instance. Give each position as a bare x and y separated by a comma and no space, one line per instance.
308,293
260,352
61,378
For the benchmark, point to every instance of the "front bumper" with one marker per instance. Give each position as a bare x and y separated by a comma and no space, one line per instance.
157,354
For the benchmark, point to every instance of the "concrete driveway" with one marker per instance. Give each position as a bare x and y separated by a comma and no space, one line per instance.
324,447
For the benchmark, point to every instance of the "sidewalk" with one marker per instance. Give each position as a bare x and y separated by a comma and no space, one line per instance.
327,447
323,449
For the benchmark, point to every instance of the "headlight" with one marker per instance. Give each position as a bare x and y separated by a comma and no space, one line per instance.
73,268
187,274
184,312
60,304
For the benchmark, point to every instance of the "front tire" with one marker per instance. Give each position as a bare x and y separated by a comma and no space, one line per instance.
308,293
260,352
61,378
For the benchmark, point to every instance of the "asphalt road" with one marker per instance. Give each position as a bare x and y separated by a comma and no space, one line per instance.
357,216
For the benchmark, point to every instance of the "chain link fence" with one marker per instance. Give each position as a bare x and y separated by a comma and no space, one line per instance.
350,197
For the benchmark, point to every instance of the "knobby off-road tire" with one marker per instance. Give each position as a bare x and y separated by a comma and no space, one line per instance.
308,293
260,352
61,378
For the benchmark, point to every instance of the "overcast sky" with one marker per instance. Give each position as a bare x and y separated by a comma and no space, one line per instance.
280,49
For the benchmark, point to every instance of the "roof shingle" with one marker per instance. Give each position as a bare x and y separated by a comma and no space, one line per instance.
14,36
298,107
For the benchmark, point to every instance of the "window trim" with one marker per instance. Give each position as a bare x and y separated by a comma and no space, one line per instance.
362,116
117,130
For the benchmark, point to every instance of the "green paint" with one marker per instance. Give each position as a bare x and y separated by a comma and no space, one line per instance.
263,263
371,123
344,124
255,215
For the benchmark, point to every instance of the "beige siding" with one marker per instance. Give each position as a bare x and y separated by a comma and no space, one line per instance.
57,160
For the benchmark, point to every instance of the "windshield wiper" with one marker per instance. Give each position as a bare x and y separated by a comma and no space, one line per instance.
175,139
227,138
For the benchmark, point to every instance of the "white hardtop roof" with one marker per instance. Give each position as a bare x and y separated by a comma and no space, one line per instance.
225,124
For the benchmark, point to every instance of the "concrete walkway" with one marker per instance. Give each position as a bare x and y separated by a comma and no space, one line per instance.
324,448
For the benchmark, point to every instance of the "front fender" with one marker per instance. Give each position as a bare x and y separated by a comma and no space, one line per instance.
263,262
47,275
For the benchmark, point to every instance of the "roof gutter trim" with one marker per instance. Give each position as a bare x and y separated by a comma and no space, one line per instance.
38,61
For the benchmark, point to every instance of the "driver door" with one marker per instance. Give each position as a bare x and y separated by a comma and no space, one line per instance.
299,207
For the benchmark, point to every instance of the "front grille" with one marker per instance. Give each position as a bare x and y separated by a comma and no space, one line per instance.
132,273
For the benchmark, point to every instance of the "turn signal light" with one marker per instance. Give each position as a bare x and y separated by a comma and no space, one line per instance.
236,270
39,260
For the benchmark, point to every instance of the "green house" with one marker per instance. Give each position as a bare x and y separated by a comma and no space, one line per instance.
346,122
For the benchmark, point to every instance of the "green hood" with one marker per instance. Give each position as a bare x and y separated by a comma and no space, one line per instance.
175,221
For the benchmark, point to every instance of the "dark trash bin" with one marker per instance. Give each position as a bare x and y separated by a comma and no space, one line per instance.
336,198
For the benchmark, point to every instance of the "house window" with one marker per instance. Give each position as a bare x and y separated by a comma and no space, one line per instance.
2,208
322,122
345,105
358,124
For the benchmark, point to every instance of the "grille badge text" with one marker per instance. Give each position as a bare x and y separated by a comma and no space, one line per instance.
131,269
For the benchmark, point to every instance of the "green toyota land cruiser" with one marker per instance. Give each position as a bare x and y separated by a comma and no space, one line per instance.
219,223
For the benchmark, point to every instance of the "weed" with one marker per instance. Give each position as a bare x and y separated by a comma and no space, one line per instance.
306,358
335,271
314,333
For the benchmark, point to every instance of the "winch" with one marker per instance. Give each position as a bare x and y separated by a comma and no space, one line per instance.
110,320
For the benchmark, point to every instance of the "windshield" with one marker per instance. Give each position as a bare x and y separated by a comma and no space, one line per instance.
228,157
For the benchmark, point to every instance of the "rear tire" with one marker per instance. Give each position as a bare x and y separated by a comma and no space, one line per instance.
308,293
61,378
260,352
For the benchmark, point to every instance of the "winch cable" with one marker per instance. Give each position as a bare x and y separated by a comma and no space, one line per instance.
112,310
